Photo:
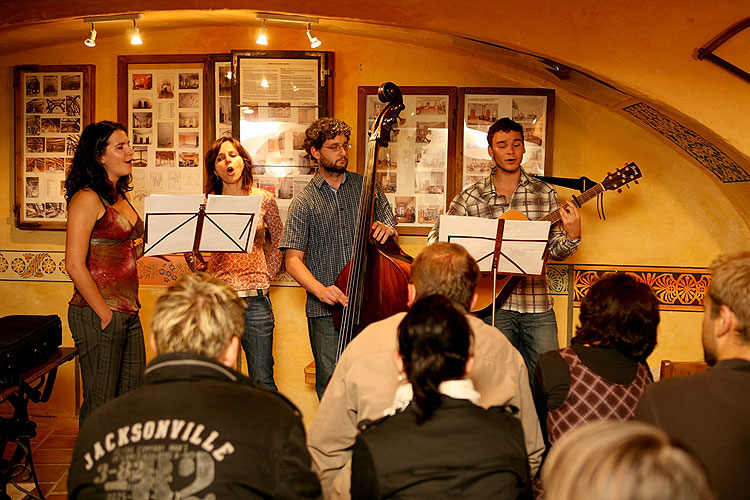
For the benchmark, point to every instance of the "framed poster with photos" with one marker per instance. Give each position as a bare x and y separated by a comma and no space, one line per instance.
52,106
276,95
417,170
164,103
481,107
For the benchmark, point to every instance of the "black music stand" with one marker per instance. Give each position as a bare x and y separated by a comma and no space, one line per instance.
513,248
184,223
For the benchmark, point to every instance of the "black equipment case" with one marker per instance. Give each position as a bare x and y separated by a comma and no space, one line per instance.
25,342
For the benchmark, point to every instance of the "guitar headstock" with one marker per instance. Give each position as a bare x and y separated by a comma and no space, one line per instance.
390,94
623,176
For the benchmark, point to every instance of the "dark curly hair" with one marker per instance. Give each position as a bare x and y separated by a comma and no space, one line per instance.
621,312
323,130
503,125
434,340
214,184
86,170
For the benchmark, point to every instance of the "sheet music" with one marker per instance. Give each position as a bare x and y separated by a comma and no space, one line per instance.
522,250
171,222
231,222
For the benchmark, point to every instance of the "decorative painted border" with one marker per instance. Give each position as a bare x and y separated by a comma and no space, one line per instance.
677,288
558,277
32,266
49,266
703,151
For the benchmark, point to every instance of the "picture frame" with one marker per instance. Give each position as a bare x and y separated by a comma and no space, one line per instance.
417,170
276,95
166,102
53,103
220,87
479,107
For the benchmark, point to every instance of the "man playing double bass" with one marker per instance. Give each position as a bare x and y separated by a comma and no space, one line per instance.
321,223
527,317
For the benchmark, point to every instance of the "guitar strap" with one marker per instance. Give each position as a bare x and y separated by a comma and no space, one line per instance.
581,184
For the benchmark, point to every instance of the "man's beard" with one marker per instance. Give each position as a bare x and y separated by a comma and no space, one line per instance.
332,167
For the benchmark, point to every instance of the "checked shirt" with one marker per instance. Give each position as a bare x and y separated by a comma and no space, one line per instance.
534,199
321,222
591,397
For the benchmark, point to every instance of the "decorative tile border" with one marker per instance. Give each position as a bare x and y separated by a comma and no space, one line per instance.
18,265
32,266
558,276
703,151
677,288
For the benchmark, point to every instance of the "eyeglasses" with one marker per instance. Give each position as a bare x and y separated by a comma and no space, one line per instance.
338,147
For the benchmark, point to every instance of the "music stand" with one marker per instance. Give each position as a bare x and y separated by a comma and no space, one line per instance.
511,248
185,223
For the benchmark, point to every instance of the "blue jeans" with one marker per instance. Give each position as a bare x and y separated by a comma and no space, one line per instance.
257,340
530,333
324,340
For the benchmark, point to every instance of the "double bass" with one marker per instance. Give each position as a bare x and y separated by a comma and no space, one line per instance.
375,278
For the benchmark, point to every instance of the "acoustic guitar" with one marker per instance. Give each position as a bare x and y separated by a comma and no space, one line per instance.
507,282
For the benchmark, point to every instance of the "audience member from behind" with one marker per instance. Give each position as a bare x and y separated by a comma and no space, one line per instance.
439,443
103,240
603,373
612,460
710,411
365,378
196,428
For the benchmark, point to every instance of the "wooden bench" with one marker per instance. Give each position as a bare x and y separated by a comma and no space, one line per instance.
681,368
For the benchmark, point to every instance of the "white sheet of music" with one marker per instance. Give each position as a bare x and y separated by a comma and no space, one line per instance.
227,225
522,249
171,222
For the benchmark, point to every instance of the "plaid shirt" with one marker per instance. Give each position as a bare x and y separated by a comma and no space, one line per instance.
534,199
321,222
591,397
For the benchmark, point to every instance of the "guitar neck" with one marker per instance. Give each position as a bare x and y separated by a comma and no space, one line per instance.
585,197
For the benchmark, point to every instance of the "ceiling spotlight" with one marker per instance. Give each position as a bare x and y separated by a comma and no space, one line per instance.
262,38
135,37
314,42
91,40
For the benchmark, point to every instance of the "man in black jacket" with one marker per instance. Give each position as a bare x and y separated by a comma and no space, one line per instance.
710,412
196,429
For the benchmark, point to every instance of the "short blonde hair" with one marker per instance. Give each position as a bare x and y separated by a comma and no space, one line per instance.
198,314
614,460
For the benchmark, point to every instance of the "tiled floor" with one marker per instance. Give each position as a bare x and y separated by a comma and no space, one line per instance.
52,449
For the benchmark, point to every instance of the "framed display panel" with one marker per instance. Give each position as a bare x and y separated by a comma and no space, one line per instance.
417,170
166,105
220,87
52,106
480,107
276,95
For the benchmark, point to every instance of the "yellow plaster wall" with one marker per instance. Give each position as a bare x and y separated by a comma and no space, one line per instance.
677,216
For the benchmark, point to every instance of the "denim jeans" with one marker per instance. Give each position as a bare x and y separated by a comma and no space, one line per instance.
530,333
257,340
112,359
324,340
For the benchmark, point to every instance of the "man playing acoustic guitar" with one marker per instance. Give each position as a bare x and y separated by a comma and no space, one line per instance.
527,317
